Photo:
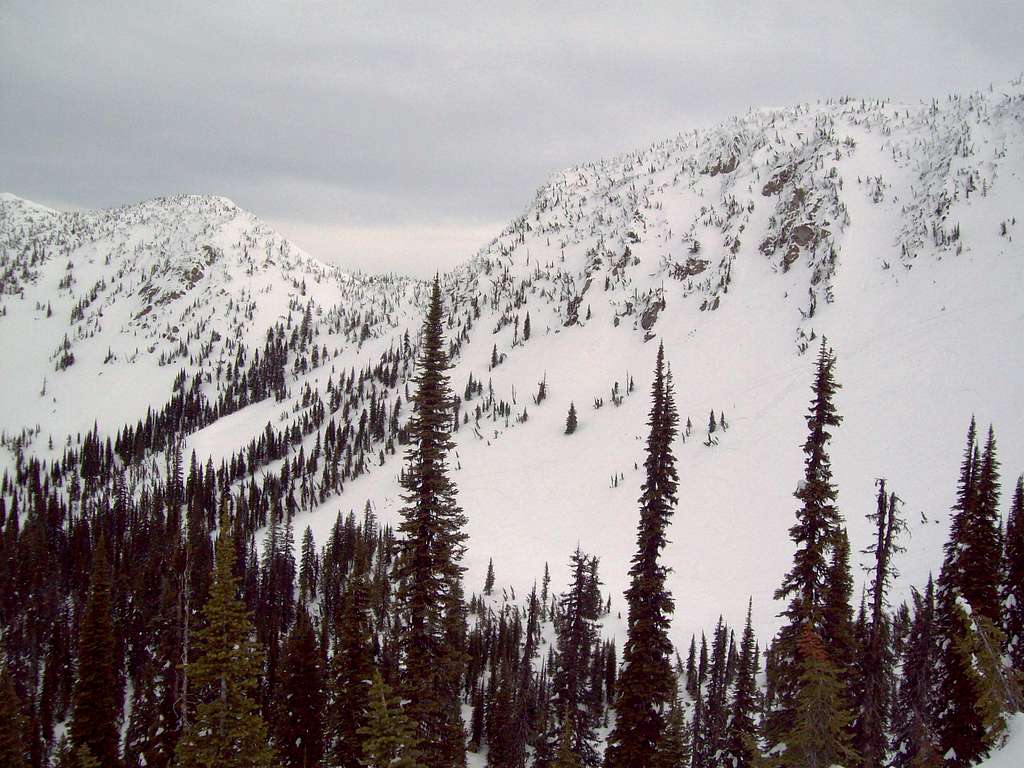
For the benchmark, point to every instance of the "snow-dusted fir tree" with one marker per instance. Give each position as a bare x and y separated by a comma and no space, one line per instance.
810,615
914,741
351,669
876,661
228,730
968,718
299,709
13,747
742,731
571,420
577,633
1013,577
429,564
94,708
646,686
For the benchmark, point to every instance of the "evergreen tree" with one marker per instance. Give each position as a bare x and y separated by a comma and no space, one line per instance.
838,631
691,668
674,750
524,693
13,749
430,552
141,748
576,636
309,566
389,736
570,420
95,709
566,756
954,563
163,731
646,685
500,713
714,716
982,558
915,744
526,328
820,734
298,713
742,731
959,721
1013,578
228,730
876,658
818,521
352,670
489,579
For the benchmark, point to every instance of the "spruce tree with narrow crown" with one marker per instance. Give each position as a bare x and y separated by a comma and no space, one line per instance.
876,657
429,566
956,714
570,419
351,669
674,749
228,731
742,731
1013,578
95,708
959,721
817,522
914,741
489,579
646,685
298,715
13,749
389,737
819,736
576,636
983,556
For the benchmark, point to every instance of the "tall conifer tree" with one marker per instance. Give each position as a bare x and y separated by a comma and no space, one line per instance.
959,720
742,732
959,724
674,748
13,750
838,630
576,636
982,558
915,743
1013,578
228,731
646,686
298,712
818,521
389,736
819,737
430,553
876,657
95,708
352,669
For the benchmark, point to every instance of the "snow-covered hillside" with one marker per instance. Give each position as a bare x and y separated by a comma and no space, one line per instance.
890,228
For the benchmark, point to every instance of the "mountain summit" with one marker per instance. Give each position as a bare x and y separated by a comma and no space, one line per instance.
891,229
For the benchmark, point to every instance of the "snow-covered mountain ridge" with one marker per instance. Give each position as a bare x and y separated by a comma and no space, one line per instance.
890,228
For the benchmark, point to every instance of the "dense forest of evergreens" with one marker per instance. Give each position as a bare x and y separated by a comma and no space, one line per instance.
145,625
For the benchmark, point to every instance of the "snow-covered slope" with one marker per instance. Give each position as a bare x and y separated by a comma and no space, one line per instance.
890,228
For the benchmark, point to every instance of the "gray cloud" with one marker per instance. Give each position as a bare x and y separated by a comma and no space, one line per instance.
351,125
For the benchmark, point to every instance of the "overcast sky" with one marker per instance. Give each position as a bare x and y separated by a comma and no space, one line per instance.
387,138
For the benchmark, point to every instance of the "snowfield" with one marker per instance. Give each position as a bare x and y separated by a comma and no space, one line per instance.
895,230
